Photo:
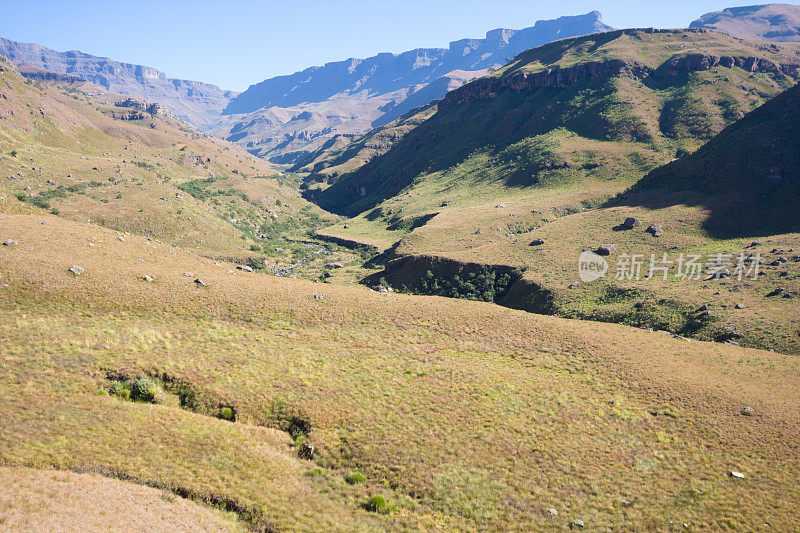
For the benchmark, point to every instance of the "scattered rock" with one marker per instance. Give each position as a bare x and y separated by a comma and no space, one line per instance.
739,306
188,274
748,411
702,308
500,205
631,222
245,268
76,270
147,278
655,230
606,249
737,475
51,182
9,242
334,265
319,297
777,291
719,274
754,244
552,512
306,451
574,285
199,282
577,524
445,203
537,242
121,238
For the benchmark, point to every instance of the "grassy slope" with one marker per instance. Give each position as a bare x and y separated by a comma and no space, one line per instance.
514,138
34,500
749,174
465,415
132,175
552,156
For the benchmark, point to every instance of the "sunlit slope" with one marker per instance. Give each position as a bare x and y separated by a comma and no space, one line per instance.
447,407
39,500
602,108
76,152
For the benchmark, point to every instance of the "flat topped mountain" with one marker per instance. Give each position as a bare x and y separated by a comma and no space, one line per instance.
287,117
387,72
194,102
771,22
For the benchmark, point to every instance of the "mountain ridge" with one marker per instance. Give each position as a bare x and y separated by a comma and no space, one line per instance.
194,102
768,22
355,95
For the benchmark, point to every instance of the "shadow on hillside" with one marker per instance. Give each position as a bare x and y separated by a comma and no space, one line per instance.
737,214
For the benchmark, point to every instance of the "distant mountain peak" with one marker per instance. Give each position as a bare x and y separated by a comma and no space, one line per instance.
381,88
768,22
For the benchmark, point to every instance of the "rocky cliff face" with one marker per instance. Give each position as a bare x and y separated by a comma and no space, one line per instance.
679,64
772,22
196,103
376,90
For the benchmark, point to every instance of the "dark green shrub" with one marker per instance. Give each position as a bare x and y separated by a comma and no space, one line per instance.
227,413
378,504
121,390
355,477
144,390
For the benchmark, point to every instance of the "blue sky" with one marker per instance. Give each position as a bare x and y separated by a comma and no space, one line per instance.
235,43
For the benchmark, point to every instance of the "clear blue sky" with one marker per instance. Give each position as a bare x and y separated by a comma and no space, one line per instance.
235,43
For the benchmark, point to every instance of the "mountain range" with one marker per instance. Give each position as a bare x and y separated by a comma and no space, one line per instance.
286,117
196,103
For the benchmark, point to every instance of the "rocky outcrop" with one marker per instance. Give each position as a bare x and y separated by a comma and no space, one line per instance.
386,73
695,62
34,73
553,77
142,105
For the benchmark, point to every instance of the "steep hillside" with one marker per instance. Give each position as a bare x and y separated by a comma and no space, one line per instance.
771,22
196,103
602,108
514,171
287,117
423,412
749,175
341,155
87,154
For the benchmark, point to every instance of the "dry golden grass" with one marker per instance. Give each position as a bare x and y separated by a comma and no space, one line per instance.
131,171
465,415
37,500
